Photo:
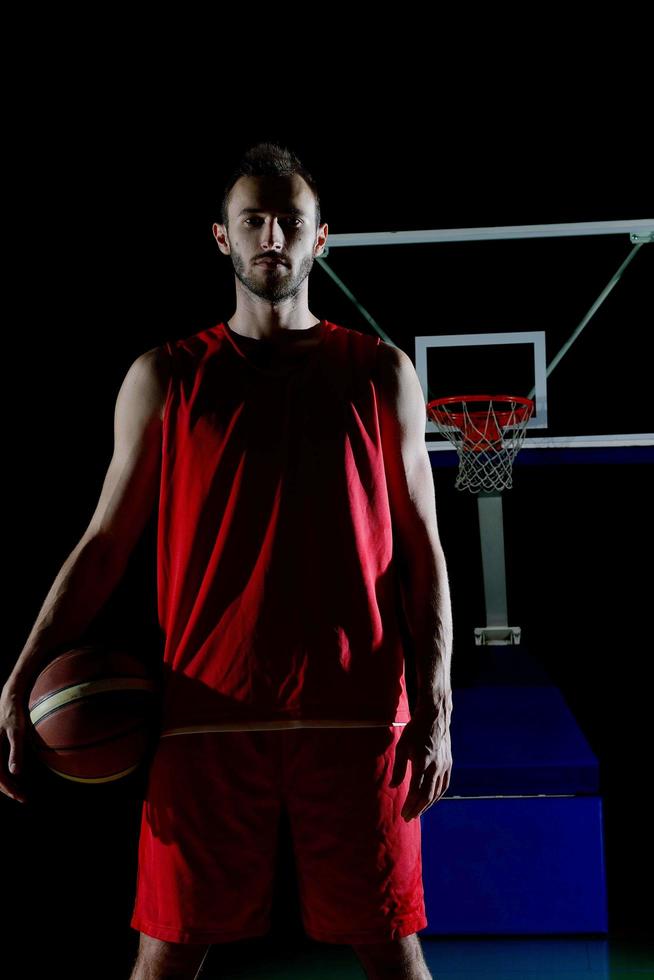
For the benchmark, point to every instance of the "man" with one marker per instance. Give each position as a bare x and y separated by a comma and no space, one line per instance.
293,483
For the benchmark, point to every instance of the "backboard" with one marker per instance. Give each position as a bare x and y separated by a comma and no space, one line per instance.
558,313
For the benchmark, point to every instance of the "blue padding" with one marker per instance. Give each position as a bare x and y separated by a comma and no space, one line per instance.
513,739
514,866
595,454
444,458
545,457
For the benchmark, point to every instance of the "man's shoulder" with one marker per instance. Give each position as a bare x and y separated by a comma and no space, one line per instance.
354,337
391,361
197,341
149,375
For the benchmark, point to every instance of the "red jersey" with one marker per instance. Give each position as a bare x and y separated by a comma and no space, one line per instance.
276,585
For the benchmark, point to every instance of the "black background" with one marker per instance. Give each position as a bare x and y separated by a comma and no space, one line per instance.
112,253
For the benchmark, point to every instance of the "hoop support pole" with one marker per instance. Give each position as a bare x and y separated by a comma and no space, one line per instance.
497,632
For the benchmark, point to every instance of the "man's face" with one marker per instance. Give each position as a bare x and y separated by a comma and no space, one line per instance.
274,217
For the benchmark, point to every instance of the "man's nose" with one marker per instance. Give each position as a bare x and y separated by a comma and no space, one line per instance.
272,236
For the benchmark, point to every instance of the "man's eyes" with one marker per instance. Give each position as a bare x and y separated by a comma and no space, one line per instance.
298,220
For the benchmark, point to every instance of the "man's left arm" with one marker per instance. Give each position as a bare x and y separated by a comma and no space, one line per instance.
423,571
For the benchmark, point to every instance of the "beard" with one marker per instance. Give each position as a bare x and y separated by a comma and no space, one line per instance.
272,284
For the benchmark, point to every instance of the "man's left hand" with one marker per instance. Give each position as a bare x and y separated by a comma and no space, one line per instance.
426,742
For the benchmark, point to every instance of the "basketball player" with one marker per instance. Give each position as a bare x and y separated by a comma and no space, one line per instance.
295,499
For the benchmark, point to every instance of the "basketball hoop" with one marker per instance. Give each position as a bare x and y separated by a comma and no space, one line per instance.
487,440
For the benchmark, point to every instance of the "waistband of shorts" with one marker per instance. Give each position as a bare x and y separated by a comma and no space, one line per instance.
278,723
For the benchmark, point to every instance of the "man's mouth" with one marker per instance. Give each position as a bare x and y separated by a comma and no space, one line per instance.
269,262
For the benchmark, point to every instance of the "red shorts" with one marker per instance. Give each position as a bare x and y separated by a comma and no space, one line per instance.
209,824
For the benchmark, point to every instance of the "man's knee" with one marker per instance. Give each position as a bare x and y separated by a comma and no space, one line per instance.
161,960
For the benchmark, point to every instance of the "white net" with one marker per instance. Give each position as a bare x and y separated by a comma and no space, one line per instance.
486,440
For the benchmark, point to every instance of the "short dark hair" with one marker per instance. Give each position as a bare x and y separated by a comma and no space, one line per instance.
268,160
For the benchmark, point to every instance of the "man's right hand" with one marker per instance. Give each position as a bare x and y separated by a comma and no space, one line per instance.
13,735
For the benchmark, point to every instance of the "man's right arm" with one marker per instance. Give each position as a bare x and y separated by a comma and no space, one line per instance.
98,561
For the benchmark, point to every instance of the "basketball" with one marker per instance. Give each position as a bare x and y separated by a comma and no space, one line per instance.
92,711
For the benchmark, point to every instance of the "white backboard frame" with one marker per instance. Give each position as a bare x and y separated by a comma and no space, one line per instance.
534,337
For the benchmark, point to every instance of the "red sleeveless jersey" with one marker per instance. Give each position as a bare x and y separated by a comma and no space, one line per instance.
276,585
